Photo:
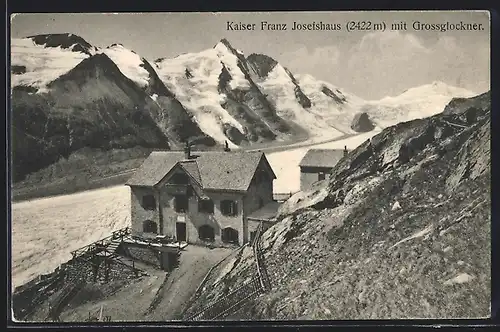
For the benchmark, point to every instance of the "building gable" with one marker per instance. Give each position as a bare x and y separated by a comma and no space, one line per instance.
171,182
265,168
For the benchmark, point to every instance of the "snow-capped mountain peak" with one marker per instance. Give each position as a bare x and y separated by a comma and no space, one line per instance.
116,45
39,60
434,88
414,103
129,62
225,44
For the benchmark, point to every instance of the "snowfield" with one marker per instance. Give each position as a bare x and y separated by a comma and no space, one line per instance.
43,65
129,63
45,231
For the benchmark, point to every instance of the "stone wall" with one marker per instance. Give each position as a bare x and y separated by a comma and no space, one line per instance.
146,255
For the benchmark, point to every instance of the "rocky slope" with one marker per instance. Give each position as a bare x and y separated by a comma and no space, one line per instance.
401,230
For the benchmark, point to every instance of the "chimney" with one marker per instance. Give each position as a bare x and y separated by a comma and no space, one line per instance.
226,147
187,151
345,150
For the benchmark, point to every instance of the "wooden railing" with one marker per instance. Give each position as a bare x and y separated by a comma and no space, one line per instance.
256,248
232,302
104,242
198,290
259,260
229,302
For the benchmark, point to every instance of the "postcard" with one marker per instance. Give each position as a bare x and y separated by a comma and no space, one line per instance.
250,166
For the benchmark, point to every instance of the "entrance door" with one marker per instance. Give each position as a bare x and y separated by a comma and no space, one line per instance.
181,231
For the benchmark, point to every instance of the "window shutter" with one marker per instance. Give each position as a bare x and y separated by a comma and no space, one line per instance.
235,208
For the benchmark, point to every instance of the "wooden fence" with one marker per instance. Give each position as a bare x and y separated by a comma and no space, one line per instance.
232,302
259,260
99,244
229,302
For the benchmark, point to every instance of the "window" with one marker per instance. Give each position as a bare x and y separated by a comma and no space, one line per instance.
149,226
148,202
229,235
206,233
321,176
206,206
229,208
181,203
261,202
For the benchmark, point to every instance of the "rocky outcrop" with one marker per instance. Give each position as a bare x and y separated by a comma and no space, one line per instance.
236,136
65,41
361,123
300,96
17,70
261,64
400,230
462,105
338,97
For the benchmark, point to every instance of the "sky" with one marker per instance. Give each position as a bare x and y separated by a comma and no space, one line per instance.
371,64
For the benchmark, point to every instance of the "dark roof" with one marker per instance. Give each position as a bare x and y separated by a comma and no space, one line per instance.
266,213
154,168
213,170
321,158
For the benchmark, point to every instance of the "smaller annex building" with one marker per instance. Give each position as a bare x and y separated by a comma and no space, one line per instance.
317,165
